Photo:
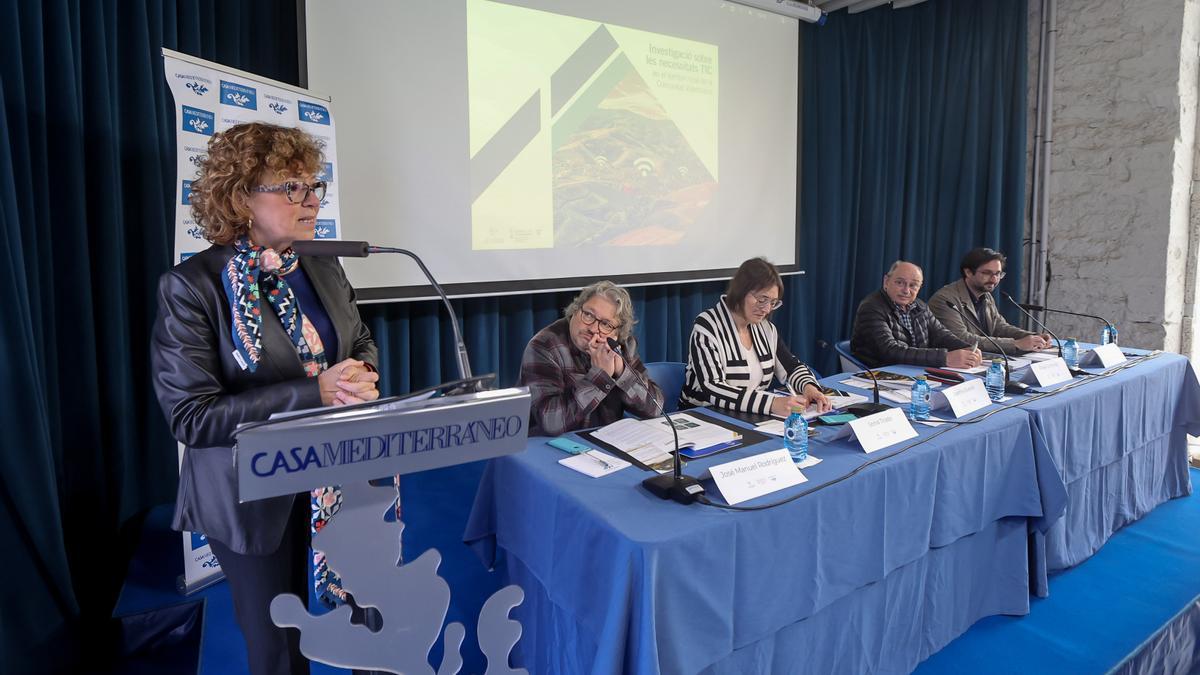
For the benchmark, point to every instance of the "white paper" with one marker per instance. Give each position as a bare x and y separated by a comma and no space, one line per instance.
843,401
904,397
970,371
629,435
878,431
1104,356
1047,373
756,476
772,427
594,463
932,421
1044,355
962,399
808,461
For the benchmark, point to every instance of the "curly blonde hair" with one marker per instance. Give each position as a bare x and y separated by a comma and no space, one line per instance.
238,159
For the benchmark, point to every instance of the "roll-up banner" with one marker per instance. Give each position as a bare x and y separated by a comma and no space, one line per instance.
209,98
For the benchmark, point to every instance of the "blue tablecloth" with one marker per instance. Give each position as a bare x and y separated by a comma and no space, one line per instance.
1120,444
620,581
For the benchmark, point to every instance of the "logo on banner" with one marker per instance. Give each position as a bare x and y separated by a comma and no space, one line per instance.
326,228
185,256
239,95
198,540
187,192
279,108
326,172
195,232
198,121
313,113
197,88
371,448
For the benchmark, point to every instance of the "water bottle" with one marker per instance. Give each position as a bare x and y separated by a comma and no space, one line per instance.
919,409
1109,335
1070,352
994,381
795,435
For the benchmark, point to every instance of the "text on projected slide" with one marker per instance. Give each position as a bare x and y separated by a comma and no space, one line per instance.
585,133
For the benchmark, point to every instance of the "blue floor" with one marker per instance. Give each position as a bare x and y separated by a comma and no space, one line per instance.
1098,612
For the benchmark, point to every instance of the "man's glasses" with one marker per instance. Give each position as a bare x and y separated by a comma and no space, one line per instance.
296,191
767,302
603,325
910,285
992,275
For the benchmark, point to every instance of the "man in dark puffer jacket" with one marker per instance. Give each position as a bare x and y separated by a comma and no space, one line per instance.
893,326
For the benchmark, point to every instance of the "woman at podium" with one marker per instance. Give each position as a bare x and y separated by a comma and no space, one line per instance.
246,329
734,352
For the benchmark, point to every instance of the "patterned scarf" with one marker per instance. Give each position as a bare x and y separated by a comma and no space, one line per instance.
251,272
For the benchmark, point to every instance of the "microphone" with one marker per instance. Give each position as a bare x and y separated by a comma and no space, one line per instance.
1009,386
864,409
361,249
1073,371
332,247
1040,308
674,486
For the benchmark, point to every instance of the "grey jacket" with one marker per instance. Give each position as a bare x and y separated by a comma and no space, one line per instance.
996,325
205,394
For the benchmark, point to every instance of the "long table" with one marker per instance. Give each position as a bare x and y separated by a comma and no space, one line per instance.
880,561
1119,442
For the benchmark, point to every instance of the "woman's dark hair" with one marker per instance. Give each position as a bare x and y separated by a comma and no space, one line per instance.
980,256
753,274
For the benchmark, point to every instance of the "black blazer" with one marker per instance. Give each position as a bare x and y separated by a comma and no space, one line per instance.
205,394
880,339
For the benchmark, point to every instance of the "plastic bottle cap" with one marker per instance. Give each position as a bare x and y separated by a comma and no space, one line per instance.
920,377
997,361
797,409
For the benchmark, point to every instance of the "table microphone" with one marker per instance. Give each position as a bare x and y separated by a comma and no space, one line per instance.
1073,371
674,486
1040,308
1009,386
864,409
361,249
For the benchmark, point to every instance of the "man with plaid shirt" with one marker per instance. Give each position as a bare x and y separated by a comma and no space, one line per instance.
575,379
892,326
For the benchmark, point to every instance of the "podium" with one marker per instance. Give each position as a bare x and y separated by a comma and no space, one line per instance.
350,446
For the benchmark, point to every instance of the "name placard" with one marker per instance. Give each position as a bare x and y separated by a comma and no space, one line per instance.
1105,356
1047,373
878,431
756,476
962,399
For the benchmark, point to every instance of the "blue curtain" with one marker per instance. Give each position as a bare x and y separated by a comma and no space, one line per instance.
86,203
913,147
913,129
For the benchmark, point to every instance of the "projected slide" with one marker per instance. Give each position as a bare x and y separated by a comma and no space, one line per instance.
586,134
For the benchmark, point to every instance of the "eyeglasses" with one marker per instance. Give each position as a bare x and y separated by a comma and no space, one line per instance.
767,302
296,191
991,275
603,325
910,285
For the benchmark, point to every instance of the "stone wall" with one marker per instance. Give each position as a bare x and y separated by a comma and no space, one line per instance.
1119,220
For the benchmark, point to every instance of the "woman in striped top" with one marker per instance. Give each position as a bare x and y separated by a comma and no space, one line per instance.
734,352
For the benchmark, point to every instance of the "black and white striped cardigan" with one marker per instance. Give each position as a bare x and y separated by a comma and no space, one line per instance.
717,373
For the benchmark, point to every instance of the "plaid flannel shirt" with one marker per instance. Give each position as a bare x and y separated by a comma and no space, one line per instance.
569,393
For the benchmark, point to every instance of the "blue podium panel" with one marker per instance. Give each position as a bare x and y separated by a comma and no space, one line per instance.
1120,444
932,531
